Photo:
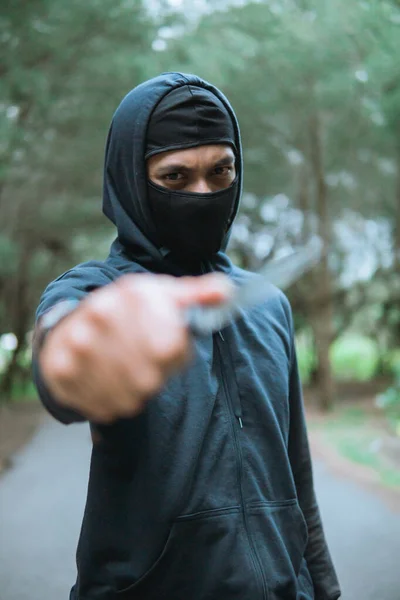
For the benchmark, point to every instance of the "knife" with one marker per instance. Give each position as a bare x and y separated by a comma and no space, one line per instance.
281,273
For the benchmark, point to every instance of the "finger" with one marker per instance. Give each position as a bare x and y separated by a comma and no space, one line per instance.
207,289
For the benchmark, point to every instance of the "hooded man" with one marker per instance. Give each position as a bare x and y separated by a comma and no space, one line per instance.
200,481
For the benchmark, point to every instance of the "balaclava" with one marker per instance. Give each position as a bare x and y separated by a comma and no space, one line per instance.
189,224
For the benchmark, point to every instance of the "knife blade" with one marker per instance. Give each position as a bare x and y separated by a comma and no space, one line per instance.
281,273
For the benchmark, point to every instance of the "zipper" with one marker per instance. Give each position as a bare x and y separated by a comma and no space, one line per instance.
234,400
235,411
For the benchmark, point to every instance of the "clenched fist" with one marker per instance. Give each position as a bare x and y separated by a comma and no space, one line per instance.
122,342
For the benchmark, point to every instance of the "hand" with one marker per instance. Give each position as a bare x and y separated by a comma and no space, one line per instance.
116,350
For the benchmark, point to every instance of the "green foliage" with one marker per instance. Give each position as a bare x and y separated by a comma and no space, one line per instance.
316,87
305,356
23,390
353,357
65,69
280,68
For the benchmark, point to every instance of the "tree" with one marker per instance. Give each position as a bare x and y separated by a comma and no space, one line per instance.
310,114
66,68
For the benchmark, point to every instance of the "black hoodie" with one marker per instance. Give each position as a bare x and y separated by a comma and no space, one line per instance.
208,494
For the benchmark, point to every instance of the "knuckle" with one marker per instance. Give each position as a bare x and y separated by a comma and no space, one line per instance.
145,287
136,283
79,342
148,381
171,348
96,313
131,406
101,416
162,352
101,305
61,367
100,411
166,352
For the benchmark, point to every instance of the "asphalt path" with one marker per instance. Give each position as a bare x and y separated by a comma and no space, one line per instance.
42,500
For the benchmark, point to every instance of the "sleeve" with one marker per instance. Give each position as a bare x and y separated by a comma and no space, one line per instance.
76,283
319,561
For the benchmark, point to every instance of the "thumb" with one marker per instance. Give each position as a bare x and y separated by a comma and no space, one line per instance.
213,288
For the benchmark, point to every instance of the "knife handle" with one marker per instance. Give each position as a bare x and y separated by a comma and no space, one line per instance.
205,320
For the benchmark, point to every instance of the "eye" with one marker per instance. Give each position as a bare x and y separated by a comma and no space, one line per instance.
173,176
223,171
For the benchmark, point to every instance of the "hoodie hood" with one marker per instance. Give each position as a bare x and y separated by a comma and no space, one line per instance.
125,200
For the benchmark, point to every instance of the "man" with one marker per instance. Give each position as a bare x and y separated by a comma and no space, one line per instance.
200,481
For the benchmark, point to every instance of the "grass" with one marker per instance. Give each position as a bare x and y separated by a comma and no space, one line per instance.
358,438
351,430
22,392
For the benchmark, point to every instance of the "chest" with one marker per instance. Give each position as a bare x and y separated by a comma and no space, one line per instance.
254,366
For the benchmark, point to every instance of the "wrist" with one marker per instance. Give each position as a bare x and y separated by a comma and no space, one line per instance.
50,319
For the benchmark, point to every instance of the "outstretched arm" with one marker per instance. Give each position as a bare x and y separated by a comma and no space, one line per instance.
116,349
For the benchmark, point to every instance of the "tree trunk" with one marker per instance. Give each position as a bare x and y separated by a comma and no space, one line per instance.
396,304
322,319
314,374
303,200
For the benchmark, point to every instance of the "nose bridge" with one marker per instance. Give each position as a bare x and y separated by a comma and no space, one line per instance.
201,185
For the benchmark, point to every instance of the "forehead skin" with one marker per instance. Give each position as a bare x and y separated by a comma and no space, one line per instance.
201,158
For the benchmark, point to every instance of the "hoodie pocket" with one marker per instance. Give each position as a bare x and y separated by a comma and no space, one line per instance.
205,556
280,535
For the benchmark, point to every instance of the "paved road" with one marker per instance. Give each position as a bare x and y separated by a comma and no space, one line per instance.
41,505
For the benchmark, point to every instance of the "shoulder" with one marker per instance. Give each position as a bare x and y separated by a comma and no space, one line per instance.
91,272
76,283
80,280
275,303
94,266
97,273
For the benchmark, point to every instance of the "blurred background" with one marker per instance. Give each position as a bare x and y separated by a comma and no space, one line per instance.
316,88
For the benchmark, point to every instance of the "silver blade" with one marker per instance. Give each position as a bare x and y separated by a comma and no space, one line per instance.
282,273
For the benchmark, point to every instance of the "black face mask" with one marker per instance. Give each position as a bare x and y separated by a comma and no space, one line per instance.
190,224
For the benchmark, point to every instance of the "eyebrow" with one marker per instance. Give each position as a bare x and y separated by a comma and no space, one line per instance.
181,167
